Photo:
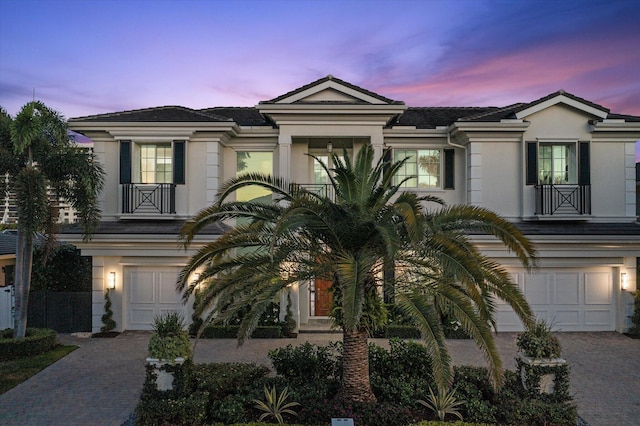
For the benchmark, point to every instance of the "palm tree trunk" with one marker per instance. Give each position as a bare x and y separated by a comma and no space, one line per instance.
356,386
24,259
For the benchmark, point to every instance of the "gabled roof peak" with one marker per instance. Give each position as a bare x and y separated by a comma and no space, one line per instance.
569,99
358,93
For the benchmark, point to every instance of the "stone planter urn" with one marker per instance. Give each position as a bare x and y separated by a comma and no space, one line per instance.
163,369
544,368
169,347
539,360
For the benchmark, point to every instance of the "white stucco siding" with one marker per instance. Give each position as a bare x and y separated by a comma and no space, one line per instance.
558,121
607,179
570,299
501,177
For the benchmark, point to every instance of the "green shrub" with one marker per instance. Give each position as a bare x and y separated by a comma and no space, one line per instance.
515,405
107,318
400,373
320,412
307,362
634,330
539,342
36,341
474,386
223,379
186,410
169,339
401,332
60,268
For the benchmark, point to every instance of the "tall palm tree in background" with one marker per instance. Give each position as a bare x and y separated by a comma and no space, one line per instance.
348,239
41,165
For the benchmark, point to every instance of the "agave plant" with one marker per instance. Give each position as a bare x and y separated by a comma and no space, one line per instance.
443,403
275,406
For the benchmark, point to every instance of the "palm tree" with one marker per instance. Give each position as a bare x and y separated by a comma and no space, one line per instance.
41,165
348,240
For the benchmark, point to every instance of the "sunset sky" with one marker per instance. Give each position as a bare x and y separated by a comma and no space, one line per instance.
88,57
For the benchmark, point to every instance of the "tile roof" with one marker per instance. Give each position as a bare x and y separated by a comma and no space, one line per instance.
142,227
156,114
420,117
243,116
430,117
337,80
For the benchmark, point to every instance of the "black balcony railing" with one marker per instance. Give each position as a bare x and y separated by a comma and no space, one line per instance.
323,189
142,198
563,199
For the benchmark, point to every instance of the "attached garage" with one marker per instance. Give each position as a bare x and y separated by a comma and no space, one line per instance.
568,299
151,291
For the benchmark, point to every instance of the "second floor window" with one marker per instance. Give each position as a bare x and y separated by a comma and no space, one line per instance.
155,163
253,162
423,168
557,164
152,163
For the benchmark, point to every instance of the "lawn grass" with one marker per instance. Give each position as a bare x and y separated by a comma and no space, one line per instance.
16,371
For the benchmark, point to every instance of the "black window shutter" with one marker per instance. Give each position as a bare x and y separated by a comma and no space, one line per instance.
584,167
532,163
125,161
449,171
178,158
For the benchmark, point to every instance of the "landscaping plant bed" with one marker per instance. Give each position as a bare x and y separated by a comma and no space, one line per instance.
226,393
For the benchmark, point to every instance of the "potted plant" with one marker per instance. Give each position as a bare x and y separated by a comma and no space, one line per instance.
539,359
169,347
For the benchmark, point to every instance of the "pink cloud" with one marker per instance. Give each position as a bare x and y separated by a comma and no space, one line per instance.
523,76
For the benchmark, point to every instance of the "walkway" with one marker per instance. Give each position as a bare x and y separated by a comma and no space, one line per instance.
100,383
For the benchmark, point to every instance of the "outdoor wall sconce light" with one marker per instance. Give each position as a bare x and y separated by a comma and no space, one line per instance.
624,281
111,281
329,147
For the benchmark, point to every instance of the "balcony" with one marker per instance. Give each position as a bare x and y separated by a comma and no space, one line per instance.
322,189
148,199
563,200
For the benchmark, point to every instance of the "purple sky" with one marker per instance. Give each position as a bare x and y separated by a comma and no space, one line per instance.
87,57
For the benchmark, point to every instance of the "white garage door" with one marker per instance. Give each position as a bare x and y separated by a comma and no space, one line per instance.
151,291
568,299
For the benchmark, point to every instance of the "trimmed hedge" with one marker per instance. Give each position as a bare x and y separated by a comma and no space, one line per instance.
231,332
36,341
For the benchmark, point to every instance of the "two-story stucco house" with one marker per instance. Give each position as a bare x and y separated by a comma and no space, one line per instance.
562,168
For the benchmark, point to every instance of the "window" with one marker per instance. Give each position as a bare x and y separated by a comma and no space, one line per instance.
253,162
422,168
155,163
557,164
152,163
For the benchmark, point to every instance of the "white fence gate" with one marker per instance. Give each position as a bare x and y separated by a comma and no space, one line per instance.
7,304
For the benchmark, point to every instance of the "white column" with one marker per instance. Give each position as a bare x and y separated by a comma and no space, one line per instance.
475,174
213,171
284,156
377,143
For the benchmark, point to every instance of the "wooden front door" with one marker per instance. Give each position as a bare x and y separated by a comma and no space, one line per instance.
323,298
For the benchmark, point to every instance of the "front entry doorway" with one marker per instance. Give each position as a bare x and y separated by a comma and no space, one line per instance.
321,298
